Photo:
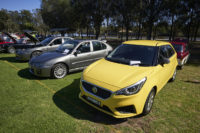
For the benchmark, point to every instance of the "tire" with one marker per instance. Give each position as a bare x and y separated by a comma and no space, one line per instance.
11,50
36,53
173,76
59,71
149,102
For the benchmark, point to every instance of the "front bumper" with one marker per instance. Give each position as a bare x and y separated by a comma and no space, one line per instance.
117,106
22,56
40,71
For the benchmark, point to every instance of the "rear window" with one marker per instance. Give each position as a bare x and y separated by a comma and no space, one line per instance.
178,48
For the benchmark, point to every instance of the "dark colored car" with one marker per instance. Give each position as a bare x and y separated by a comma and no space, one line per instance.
71,56
18,44
181,47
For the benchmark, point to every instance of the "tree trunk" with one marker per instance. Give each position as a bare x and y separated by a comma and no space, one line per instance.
97,29
139,29
127,32
196,31
87,30
122,33
81,33
171,28
149,32
155,32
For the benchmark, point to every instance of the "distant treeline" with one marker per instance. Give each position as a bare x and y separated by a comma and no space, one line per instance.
148,18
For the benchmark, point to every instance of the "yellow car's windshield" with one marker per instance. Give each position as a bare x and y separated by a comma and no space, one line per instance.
133,55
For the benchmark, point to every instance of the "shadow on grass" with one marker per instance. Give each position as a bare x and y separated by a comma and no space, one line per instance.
11,59
67,100
192,81
24,73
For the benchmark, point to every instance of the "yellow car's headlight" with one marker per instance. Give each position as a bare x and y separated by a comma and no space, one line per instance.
133,89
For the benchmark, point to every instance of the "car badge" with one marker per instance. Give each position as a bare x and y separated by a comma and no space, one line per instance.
94,90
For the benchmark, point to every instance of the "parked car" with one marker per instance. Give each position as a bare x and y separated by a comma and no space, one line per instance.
125,82
2,41
183,54
18,44
71,56
49,44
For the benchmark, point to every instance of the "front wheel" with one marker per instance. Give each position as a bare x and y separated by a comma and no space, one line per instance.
59,71
11,50
149,102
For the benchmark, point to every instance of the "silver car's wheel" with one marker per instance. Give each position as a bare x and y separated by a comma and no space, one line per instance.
35,53
11,50
149,102
59,71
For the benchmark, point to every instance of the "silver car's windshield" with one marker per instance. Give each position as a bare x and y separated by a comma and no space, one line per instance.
46,41
67,46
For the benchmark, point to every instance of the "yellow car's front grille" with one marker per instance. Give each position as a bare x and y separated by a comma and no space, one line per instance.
97,91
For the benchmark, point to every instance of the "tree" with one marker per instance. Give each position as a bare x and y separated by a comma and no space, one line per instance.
125,10
58,14
153,11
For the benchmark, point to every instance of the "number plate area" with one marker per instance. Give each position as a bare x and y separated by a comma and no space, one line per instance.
94,101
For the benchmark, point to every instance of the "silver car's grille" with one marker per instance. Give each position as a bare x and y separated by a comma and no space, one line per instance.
95,90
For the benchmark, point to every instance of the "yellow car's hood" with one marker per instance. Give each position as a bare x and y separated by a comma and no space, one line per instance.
115,74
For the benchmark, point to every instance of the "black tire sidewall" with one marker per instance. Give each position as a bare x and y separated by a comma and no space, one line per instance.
9,48
145,111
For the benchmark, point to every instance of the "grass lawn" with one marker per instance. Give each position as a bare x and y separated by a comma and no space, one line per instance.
32,104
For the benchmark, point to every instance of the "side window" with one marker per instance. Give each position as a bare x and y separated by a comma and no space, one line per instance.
57,42
84,48
163,52
170,51
98,46
66,39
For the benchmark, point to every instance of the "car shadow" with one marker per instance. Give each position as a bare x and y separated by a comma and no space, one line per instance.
11,59
192,81
24,73
67,100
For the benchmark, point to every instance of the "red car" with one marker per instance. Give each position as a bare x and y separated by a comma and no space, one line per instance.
2,41
181,47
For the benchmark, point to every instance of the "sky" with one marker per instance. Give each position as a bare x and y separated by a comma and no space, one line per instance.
20,4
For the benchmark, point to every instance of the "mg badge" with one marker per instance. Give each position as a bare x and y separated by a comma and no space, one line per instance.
94,90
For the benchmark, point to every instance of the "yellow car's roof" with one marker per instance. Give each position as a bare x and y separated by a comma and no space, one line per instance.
146,42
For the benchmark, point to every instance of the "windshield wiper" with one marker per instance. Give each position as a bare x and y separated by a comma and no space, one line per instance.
119,60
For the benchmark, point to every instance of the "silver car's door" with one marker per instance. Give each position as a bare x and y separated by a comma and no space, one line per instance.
99,50
55,44
82,56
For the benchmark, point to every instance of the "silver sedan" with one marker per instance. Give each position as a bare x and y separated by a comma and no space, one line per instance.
48,44
71,56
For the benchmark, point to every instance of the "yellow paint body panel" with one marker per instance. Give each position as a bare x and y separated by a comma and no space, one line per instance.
114,76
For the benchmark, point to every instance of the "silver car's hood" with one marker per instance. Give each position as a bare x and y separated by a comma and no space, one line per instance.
47,56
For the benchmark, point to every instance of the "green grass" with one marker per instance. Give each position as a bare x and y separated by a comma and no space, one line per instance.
32,104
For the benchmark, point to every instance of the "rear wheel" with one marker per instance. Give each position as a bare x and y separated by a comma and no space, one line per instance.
174,76
149,102
11,50
59,71
36,53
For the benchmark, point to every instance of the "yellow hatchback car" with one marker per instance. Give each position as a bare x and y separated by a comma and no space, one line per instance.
125,83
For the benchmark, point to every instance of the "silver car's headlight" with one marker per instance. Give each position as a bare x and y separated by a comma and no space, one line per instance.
133,89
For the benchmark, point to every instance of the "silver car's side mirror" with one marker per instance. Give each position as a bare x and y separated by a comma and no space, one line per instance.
77,52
